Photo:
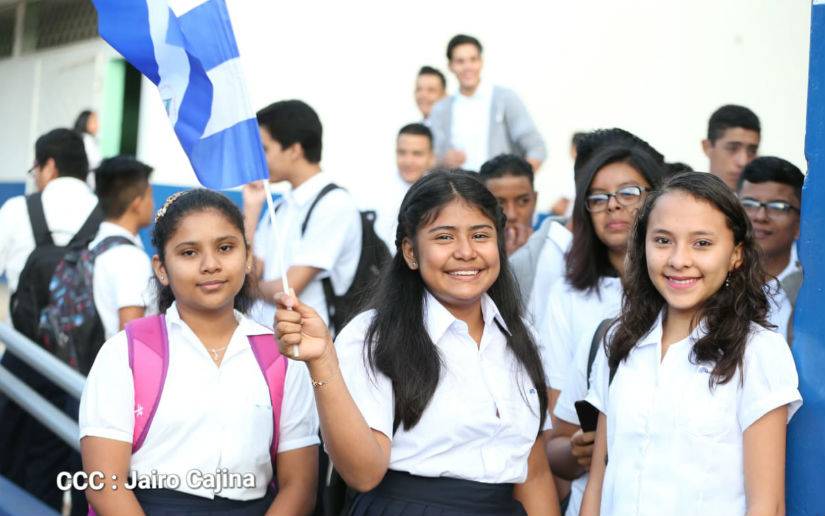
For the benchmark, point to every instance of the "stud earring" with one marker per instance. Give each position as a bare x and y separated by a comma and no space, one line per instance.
414,265
727,281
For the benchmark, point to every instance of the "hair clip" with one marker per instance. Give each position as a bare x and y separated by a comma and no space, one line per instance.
169,200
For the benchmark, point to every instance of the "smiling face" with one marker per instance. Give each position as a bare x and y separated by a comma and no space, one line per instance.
206,261
428,91
774,232
457,255
689,250
466,64
613,225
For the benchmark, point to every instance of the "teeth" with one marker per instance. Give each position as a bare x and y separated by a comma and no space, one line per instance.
464,273
683,281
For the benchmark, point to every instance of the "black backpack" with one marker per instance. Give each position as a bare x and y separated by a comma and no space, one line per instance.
374,254
33,294
598,337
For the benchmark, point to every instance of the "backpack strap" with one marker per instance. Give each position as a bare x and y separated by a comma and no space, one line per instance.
324,191
598,338
148,346
273,366
108,243
88,230
37,218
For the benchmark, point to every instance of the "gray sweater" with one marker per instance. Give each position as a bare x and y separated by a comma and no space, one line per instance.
512,131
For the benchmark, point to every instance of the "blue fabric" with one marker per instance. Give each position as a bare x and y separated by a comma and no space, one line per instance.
229,158
806,453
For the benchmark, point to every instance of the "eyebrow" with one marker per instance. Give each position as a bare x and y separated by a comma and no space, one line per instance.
693,233
193,243
455,228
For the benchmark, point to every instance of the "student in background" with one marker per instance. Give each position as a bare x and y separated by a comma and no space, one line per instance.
122,274
215,412
433,401
770,189
413,157
481,120
330,243
696,391
732,142
430,87
510,179
87,125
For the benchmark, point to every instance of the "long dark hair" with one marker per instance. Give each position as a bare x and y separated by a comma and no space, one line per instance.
82,121
727,314
587,260
177,207
397,341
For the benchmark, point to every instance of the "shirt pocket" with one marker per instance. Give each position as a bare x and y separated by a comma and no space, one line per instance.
708,413
256,427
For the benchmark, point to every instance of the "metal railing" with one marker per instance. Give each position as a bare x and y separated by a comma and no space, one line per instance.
54,370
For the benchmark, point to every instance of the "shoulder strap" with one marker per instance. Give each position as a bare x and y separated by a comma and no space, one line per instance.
325,190
273,366
37,218
88,230
110,242
598,338
148,346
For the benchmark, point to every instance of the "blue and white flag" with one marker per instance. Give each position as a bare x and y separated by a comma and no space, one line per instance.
187,48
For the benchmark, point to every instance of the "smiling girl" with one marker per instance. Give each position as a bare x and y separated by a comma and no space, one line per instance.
214,415
433,402
696,390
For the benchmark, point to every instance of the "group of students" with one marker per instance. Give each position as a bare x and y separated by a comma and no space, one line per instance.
458,385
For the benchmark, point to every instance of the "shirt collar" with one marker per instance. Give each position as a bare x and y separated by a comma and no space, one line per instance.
483,91
437,319
70,185
246,326
309,189
654,336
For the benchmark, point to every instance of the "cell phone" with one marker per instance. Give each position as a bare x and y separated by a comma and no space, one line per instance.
588,415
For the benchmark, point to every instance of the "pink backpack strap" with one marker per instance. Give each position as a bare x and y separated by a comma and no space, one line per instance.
273,366
149,361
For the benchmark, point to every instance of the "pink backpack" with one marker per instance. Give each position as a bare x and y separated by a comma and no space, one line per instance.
149,360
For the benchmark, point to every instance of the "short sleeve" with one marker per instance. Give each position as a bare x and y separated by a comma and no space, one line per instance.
555,333
299,419
574,387
599,394
371,390
321,246
108,395
129,272
770,379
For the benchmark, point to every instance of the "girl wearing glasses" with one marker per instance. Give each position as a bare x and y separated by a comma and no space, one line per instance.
696,391
609,191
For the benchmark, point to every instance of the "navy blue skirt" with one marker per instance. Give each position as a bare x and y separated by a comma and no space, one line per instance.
168,502
402,494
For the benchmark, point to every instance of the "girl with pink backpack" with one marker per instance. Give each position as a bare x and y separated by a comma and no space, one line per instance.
194,410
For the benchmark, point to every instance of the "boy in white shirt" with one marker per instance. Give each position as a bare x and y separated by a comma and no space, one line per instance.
123,272
309,247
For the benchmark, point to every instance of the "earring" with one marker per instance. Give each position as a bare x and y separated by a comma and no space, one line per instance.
414,265
727,281
162,277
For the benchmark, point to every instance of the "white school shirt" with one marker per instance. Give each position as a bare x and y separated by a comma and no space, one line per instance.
209,417
122,276
550,269
67,203
386,206
573,389
459,434
332,243
470,129
570,315
676,446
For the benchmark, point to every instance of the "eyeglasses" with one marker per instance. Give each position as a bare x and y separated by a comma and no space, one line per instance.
31,171
626,196
773,209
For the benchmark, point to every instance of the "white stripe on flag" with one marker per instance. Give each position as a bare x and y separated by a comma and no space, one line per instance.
181,7
230,102
173,64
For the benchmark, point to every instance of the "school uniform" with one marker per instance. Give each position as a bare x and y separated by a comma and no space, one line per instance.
331,242
676,445
208,417
570,315
122,276
473,439
67,203
549,268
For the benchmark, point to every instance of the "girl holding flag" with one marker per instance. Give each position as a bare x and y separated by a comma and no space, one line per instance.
434,400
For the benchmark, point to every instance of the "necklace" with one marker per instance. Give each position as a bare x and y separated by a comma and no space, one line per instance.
215,352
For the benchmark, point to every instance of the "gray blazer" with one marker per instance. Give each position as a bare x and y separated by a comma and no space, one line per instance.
512,131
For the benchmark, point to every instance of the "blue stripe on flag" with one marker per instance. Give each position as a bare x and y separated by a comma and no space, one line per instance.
199,27
223,160
134,44
196,105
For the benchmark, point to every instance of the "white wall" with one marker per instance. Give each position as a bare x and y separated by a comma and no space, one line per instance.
42,91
